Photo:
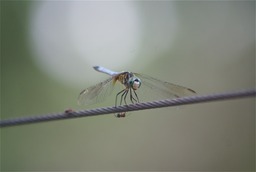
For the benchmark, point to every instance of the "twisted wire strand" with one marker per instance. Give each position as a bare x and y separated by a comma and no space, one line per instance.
68,114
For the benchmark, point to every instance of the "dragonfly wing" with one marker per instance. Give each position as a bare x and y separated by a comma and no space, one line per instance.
96,93
162,89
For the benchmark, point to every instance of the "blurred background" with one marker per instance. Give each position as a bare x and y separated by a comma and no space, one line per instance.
48,49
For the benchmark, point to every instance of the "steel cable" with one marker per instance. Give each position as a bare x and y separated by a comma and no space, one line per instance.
68,114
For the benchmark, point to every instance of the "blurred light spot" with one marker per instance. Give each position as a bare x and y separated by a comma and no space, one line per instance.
105,33
68,38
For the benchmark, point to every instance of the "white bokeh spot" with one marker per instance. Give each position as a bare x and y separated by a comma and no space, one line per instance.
69,37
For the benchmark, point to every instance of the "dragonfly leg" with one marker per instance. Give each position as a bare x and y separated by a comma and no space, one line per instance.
131,97
124,94
118,95
137,98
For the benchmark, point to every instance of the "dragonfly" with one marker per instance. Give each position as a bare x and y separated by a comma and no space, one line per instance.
135,86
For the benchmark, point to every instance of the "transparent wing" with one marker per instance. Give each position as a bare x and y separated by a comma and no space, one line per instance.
155,89
96,93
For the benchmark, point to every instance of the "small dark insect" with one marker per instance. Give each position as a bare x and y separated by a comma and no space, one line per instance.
120,115
68,111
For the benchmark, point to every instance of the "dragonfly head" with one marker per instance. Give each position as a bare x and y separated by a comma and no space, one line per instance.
134,83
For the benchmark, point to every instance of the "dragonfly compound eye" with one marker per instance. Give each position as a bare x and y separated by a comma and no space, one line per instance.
135,83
